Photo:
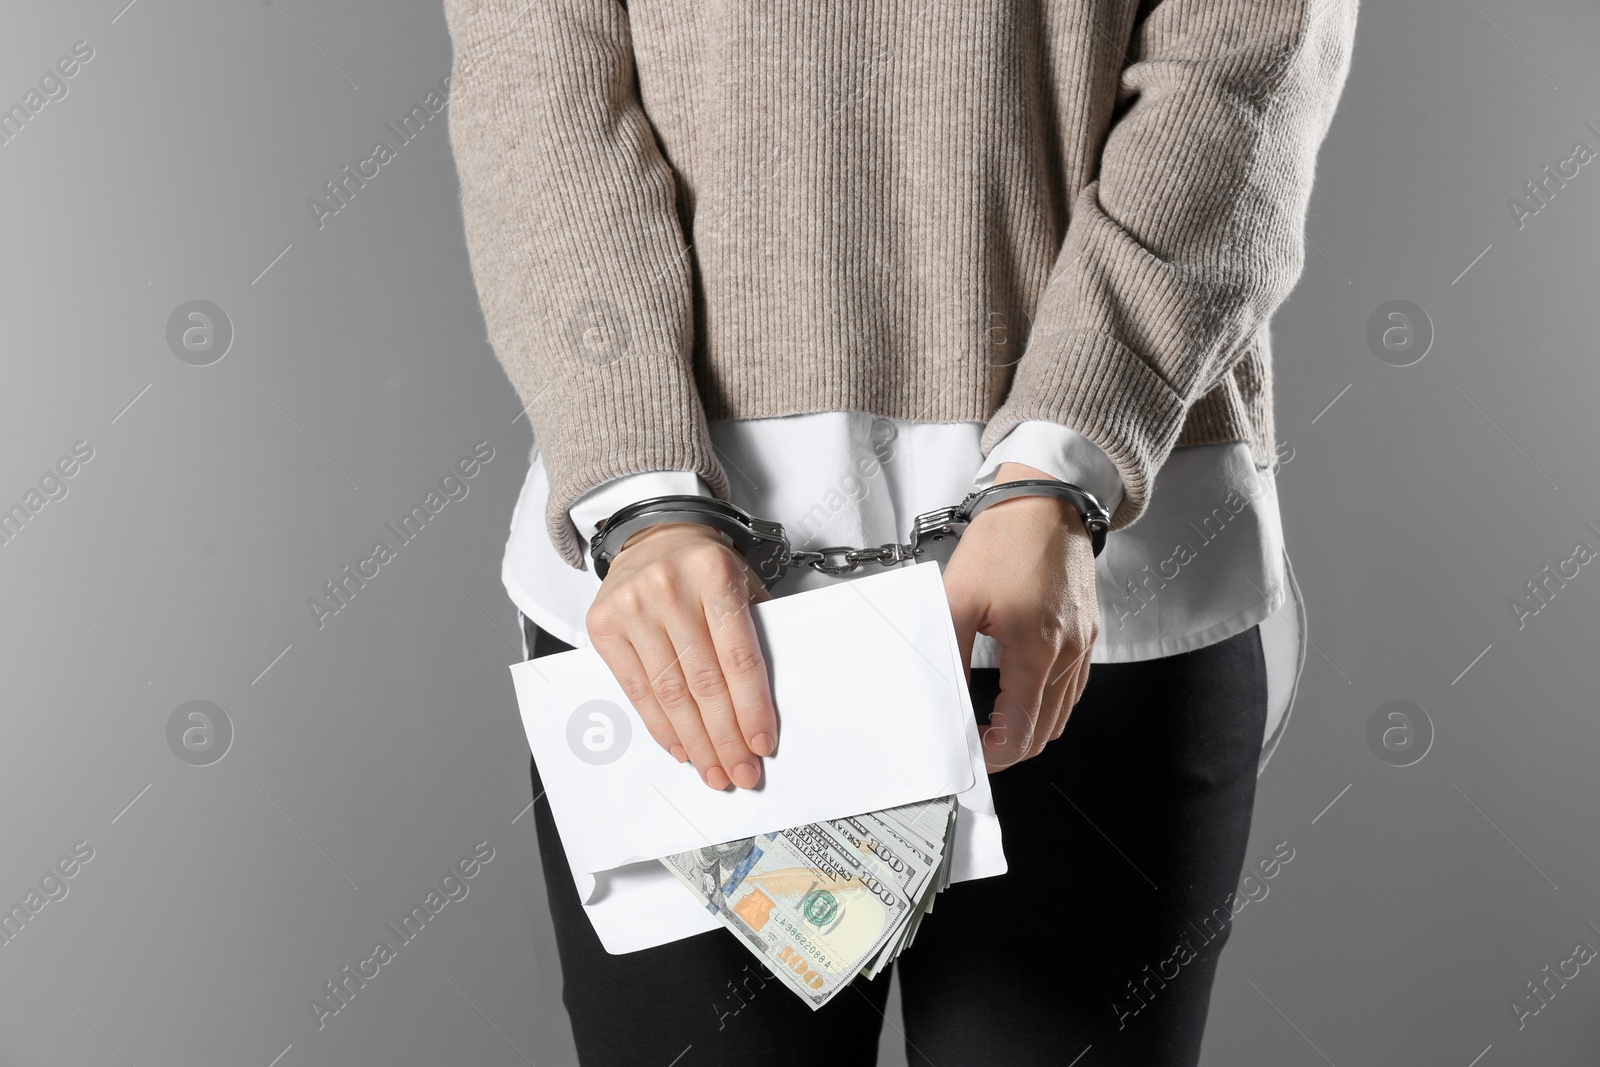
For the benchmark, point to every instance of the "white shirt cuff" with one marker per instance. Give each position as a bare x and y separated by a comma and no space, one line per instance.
1060,452
603,501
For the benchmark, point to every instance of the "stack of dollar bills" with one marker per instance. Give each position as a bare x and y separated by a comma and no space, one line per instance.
821,903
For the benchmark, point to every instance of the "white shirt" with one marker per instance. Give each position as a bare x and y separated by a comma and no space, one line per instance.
1205,562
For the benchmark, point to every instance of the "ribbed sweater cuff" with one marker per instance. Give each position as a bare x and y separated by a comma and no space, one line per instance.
564,535
646,418
1093,384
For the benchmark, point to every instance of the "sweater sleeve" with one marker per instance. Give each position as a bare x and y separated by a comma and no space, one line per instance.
576,245
1192,232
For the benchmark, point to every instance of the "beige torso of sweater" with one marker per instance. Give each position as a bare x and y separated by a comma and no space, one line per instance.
990,210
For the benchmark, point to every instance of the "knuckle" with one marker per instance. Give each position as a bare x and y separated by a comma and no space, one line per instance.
657,583
706,558
722,565
1054,630
707,680
672,691
723,605
637,692
625,600
602,624
743,659
1026,735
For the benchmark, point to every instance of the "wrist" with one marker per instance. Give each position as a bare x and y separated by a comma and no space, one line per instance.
671,530
1013,472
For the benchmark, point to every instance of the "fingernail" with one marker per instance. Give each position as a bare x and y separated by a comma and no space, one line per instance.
746,775
995,735
679,754
761,744
716,778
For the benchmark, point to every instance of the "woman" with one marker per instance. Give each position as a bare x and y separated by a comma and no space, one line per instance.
842,263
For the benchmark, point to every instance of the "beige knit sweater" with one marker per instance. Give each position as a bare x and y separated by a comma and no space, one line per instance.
943,210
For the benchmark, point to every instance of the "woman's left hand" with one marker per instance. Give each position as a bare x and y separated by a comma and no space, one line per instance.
1023,573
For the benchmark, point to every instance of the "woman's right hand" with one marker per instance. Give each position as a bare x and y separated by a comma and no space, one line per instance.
672,621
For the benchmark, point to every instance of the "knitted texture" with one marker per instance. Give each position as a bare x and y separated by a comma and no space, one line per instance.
938,210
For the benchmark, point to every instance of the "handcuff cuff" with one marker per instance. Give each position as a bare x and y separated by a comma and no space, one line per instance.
765,545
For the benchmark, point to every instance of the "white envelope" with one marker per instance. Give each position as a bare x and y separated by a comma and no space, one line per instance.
873,712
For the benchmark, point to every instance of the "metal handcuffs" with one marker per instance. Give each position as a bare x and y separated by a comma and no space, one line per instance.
765,546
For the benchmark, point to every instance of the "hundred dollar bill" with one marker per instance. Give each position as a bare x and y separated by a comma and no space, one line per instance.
816,909
822,903
928,820
938,880
941,877
892,844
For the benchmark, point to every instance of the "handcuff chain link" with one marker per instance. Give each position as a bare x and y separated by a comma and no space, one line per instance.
928,526
821,559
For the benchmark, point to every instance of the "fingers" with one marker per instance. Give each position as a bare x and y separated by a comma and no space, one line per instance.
708,687
1012,723
1059,681
673,623
1024,574
1016,730
619,655
1069,672
1035,702
738,650
1081,668
1068,679
670,686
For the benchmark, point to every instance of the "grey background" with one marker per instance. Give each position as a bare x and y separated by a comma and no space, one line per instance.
371,754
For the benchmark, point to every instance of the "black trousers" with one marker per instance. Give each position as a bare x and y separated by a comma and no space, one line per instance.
1125,841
